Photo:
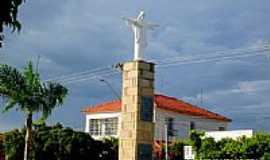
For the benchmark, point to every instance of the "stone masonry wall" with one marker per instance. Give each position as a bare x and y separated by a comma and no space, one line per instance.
137,127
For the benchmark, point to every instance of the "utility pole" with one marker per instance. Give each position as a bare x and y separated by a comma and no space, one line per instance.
166,140
37,69
37,65
201,96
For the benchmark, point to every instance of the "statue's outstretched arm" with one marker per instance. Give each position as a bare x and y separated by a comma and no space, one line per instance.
151,26
129,21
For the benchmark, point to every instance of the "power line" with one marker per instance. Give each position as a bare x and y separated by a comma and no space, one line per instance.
91,77
217,56
85,76
96,70
215,53
214,59
73,79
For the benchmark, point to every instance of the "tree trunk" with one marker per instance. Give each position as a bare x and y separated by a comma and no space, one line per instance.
28,137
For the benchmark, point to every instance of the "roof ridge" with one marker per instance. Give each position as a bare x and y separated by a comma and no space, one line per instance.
164,102
105,103
197,108
192,105
206,110
166,96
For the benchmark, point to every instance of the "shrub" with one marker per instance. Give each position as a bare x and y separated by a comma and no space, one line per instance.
57,143
256,147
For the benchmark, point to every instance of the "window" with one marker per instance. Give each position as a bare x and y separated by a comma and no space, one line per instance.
170,124
103,127
111,125
95,127
192,125
145,151
221,128
146,110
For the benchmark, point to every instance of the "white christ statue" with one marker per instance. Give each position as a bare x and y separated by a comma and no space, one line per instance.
139,28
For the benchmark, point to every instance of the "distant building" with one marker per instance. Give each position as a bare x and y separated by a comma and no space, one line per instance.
218,135
104,119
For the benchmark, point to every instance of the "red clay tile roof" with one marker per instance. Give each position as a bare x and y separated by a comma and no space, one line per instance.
179,106
114,106
162,102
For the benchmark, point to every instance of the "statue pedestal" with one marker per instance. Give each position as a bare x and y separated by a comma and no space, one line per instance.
137,128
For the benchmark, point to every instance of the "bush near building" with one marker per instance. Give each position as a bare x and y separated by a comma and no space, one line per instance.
57,143
256,147
175,151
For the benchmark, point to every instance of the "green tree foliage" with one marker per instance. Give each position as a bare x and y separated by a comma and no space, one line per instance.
175,150
111,145
8,16
256,147
59,143
13,144
25,92
195,139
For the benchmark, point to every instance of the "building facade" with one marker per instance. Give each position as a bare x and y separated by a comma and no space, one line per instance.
104,120
234,134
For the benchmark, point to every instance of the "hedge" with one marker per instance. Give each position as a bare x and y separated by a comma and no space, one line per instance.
255,147
58,143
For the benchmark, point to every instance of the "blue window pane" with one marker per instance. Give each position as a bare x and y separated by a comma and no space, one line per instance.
146,113
145,151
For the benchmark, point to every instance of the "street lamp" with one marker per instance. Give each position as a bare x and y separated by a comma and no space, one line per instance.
111,88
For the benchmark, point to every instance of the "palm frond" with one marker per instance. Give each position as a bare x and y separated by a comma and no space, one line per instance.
5,91
27,90
12,85
10,104
11,79
32,80
54,94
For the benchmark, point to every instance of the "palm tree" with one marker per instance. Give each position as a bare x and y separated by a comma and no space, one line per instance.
25,92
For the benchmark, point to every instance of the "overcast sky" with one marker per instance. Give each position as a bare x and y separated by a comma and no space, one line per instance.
74,36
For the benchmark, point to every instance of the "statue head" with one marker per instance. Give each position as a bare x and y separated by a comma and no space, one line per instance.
141,16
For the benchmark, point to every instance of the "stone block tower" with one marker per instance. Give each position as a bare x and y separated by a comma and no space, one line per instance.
137,128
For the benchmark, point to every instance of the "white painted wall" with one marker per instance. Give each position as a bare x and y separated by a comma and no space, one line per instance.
181,123
218,135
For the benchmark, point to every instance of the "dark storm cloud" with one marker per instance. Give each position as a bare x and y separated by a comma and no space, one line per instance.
247,103
73,36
